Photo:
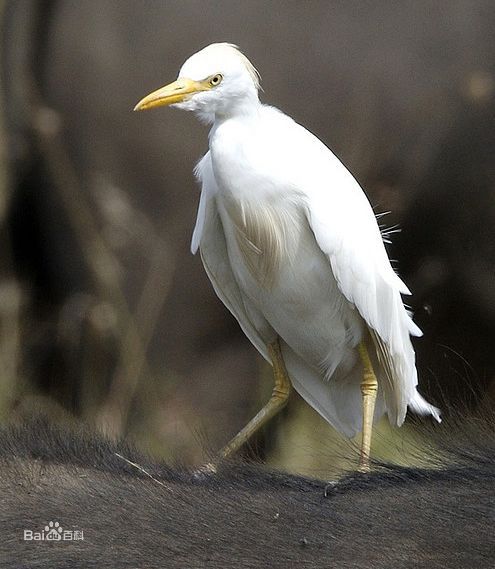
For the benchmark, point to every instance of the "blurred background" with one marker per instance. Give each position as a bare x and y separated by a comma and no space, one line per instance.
105,316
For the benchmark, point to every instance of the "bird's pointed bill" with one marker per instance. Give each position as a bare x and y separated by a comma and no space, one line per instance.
175,92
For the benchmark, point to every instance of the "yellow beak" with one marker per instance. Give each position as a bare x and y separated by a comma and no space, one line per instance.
173,93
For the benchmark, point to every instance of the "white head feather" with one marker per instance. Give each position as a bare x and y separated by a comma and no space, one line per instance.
238,89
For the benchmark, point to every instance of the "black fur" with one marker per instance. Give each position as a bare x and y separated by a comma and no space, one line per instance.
151,515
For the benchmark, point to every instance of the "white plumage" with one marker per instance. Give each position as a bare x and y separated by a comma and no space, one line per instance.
292,247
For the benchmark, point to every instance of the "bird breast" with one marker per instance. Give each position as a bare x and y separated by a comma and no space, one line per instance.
257,201
265,233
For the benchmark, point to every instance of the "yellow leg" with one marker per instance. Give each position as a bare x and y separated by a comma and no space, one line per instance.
276,403
369,387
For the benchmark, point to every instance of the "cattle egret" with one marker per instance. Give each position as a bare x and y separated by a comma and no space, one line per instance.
293,249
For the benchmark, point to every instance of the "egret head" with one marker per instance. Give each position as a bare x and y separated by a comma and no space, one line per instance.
218,80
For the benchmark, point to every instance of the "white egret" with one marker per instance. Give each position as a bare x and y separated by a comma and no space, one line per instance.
292,248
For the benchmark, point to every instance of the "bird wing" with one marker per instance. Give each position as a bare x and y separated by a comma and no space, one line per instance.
209,237
345,229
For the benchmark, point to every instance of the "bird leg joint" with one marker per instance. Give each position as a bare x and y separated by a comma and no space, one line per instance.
369,385
281,391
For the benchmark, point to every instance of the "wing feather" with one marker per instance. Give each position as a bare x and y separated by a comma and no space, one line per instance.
209,236
365,277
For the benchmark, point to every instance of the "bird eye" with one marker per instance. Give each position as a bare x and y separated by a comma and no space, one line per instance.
216,80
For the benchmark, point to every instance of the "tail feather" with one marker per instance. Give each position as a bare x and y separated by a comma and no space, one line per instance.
337,400
419,405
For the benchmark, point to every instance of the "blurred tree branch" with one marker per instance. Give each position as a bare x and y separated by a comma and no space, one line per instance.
133,332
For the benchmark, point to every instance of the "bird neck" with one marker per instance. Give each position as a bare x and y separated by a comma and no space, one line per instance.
230,108
241,107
